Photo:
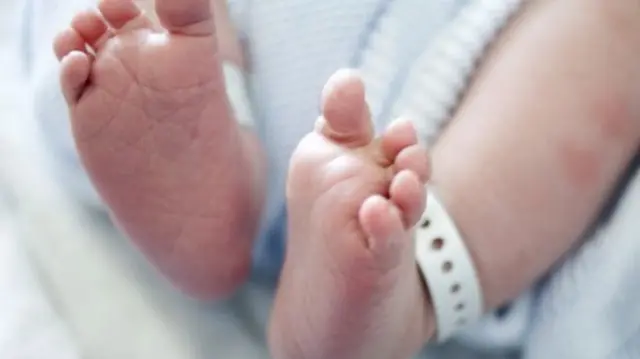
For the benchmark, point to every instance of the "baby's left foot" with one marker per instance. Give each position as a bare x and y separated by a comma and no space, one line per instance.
350,287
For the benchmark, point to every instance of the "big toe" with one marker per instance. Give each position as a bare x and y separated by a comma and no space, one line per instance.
188,17
345,116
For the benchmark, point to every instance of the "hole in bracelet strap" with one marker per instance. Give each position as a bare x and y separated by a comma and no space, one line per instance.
437,244
455,288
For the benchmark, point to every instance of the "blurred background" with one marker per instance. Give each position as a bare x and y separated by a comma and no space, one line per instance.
29,325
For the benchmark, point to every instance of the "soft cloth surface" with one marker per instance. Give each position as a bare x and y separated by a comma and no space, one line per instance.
29,327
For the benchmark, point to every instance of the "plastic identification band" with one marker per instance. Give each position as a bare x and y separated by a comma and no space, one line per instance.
447,269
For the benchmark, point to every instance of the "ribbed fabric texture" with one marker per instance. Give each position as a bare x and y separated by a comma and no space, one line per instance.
442,73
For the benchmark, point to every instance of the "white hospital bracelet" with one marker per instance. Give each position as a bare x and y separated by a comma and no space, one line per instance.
447,269
237,94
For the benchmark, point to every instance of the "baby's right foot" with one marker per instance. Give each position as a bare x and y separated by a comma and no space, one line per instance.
154,131
350,288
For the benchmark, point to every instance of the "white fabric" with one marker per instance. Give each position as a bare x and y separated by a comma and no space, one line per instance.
30,327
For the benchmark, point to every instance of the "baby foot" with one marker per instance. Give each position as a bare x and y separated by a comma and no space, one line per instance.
154,131
350,288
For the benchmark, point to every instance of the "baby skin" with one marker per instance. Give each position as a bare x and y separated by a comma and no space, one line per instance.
350,281
156,135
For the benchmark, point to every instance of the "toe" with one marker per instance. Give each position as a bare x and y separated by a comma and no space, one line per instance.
398,136
121,14
346,119
188,17
408,194
75,70
416,159
381,221
91,28
67,41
